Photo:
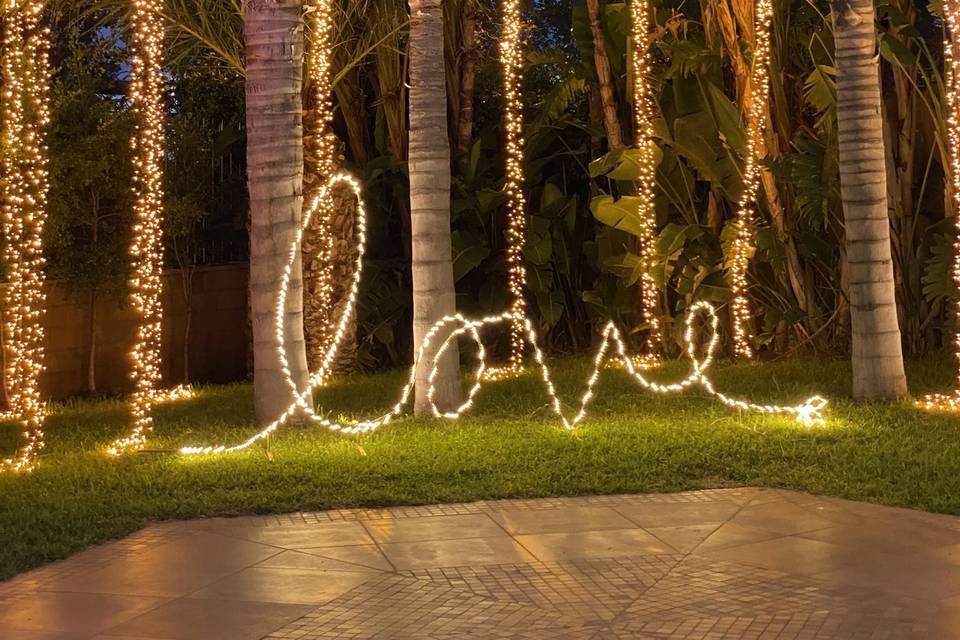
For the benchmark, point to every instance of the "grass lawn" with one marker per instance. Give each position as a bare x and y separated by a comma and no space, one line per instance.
509,446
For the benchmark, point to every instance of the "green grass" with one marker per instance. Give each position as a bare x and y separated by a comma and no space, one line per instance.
510,446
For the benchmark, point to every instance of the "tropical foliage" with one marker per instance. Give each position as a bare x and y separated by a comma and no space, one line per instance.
581,254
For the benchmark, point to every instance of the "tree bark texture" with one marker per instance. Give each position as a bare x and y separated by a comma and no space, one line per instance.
274,80
429,167
877,352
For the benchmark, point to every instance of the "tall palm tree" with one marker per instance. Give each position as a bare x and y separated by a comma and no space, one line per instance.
877,352
273,37
429,167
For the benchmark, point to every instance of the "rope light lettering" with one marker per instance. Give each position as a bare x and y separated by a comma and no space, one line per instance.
25,118
522,331
808,413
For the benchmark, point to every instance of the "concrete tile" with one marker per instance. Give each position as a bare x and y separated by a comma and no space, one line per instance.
592,544
789,554
914,576
865,541
323,534
366,555
764,495
434,528
731,535
189,619
684,539
9,633
684,514
520,521
834,509
139,578
780,517
301,560
946,625
455,553
79,613
283,585
168,570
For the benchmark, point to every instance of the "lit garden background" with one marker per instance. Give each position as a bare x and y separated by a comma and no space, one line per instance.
310,254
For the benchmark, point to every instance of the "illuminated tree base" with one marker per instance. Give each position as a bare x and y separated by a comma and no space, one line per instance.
450,328
940,402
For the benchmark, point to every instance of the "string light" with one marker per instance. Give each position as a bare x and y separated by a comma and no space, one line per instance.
644,109
322,158
511,64
743,240
951,402
808,413
25,118
303,400
521,328
146,251
174,394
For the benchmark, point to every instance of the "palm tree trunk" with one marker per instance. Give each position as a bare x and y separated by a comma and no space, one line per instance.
274,79
611,117
877,352
429,166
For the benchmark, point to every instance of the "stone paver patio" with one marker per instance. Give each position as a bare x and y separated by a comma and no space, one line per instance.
720,564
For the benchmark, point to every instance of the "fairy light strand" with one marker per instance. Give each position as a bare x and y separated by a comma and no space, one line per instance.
25,119
808,413
743,224
146,250
511,61
322,156
938,401
644,109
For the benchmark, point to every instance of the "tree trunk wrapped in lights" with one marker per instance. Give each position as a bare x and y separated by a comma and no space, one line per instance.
644,108
328,243
25,118
951,402
743,241
877,355
146,249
